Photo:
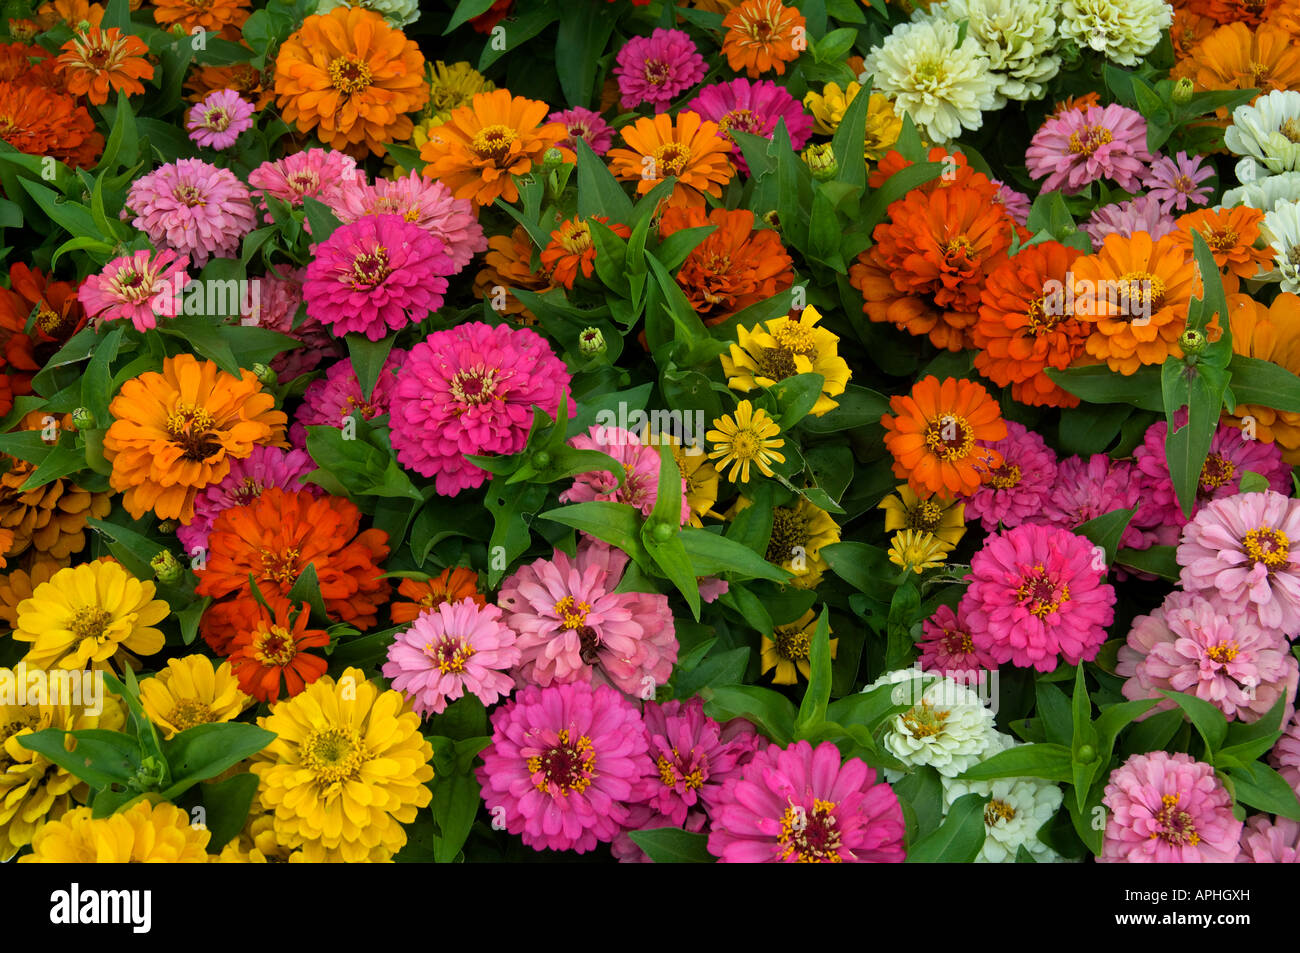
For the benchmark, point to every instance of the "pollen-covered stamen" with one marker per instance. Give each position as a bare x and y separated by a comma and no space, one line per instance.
956,642
671,159
1040,593
743,119
810,836
189,712
925,516
949,437
474,387
683,774
657,72
369,269
282,566
274,645
1223,653
190,196
493,142
1176,827
190,428
216,119
789,533
1089,140
998,810
90,623
564,766
776,364
1217,471
333,755
1004,477
924,720
449,653
1268,547
792,642
349,75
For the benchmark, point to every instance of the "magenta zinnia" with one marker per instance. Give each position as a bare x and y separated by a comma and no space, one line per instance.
129,287
948,649
1014,491
193,208
658,68
321,174
754,107
586,125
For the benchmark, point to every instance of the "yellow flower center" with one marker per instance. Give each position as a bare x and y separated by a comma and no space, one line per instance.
789,530
564,766
493,142
1005,477
810,837
957,642
958,247
1039,318
1144,289
1222,239
1268,546
1089,140
1223,653
188,713
189,427
1217,471
573,613
949,437
190,196
671,159
369,269
1040,593
792,642
47,319
1290,130
575,237
743,119
670,776
274,646
334,754
657,72
998,810
924,720
217,119
925,516
349,74
1178,827
449,653
90,623
281,567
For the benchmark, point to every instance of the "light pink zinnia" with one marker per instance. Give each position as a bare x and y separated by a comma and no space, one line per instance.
641,465
1035,598
562,763
337,396
1285,755
583,123
1176,182
1240,548
219,119
1268,840
573,626
1188,645
321,174
800,805
658,68
1083,145
471,389
1141,214
376,275
449,650
1014,492
1016,203
193,208
1168,809
421,201
276,307
129,287
1087,489
947,647
753,107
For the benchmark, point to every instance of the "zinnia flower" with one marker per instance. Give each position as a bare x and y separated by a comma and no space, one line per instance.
1035,597
687,147
916,551
191,691
1237,56
449,586
193,208
1269,334
130,287
471,389
451,87
1281,229
1079,147
785,654
1285,756
269,649
1176,181
1259,131
751,437
1270,841
755,108
883,124
572,251
947,725
42,122
783,347
211,15
452,650
658,68
641,465
329,401
144,833
348,767
1016,810
1232,235
218,121
947,647
265,467
563,763
801,805
582,123
762,35
939,436
1145,213
1013,493
98,60
1123,32
1167,808
1088,488
735,266
321,174
944,519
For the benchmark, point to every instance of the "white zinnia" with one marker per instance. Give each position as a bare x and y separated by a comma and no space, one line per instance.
947,725
1267,132
1281,229
398,13
1017,808
1123,30
942,86
1264,194
1018,37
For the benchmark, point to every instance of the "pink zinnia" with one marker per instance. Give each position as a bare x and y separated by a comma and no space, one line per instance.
800,805
320,174
573,626
1141,214
1240,548
752,107
1285,756
1189,645
1086,489
1035,598
562,763
1268,840
193,208
656,69
424,202
641,472
947,647
376,275
1167,808
449,650
1014,492
1016,203
277,304
1083,145
1232,453
248,478
583,123
1176,182
219,119
337,396
128,288
471,389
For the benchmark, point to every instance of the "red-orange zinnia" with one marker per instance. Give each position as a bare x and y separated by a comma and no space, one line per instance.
934,435
270,648
99,60
450,585
572,251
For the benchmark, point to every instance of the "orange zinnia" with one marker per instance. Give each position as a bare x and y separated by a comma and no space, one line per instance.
1082,103
1188,29
925,272
1236,56
687,147
508,264
58,316
1253,12
958,171
175,432
1287,16
1022,330
1136,292
735,266
451,585
480,146
98,60
763,35
934,436
42,122
1270,334
278,535
270,648
1231,234
28,66
214,15
571,250
71,12
251,83
351,78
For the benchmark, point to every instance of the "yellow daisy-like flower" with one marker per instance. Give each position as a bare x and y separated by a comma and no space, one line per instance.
916,550
257,844
884,124
782,348
85,615
144,833
945,519
451,87
750,438
189,692
787,650
347,769
799,531
694,466
33,789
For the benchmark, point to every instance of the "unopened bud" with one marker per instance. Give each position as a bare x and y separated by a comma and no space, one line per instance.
662,532
83,26
264,374
821,161
167,526
591,342
1183,91
552,159
541,459
771,219
166,567
1192,342
178,29
83,419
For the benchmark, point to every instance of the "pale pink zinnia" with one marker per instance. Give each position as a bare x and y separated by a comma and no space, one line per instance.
1014,492
1240,548
1176,181
947,647
1166,808
1081,146
1140,214
573,626
1285,755
219,119
658,68
1036,596
1016,203
1189,645
584,124
450,650
562,764
1267,840
193,208
320,174
641,464
132,286
801,805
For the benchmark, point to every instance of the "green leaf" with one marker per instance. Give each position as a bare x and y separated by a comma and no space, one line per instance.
666,518
227,804
672,845
1105,531
1097,384
849,142
100,758
923,791
867,568
306,588
455,804
599,193
1048,761
712,554
959,839
1264,384
858,407
368,359
578,46
618,524
812,711
1209,721
321,218
1157,560
205,338
1259,786
204,751
772,712
796,396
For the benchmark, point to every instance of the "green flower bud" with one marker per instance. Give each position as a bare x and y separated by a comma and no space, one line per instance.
167,568
541,459
1183,91
820,159
1087,754
552,159
591,342
167,526
264,374
1192,342
662,532
83,419
148,776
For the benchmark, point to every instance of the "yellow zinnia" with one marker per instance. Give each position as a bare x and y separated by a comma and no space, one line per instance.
916,551
144,833
883,126
782,348
751,437
189,692
85,615
257,844
787,650
451,87
945,519
347,769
